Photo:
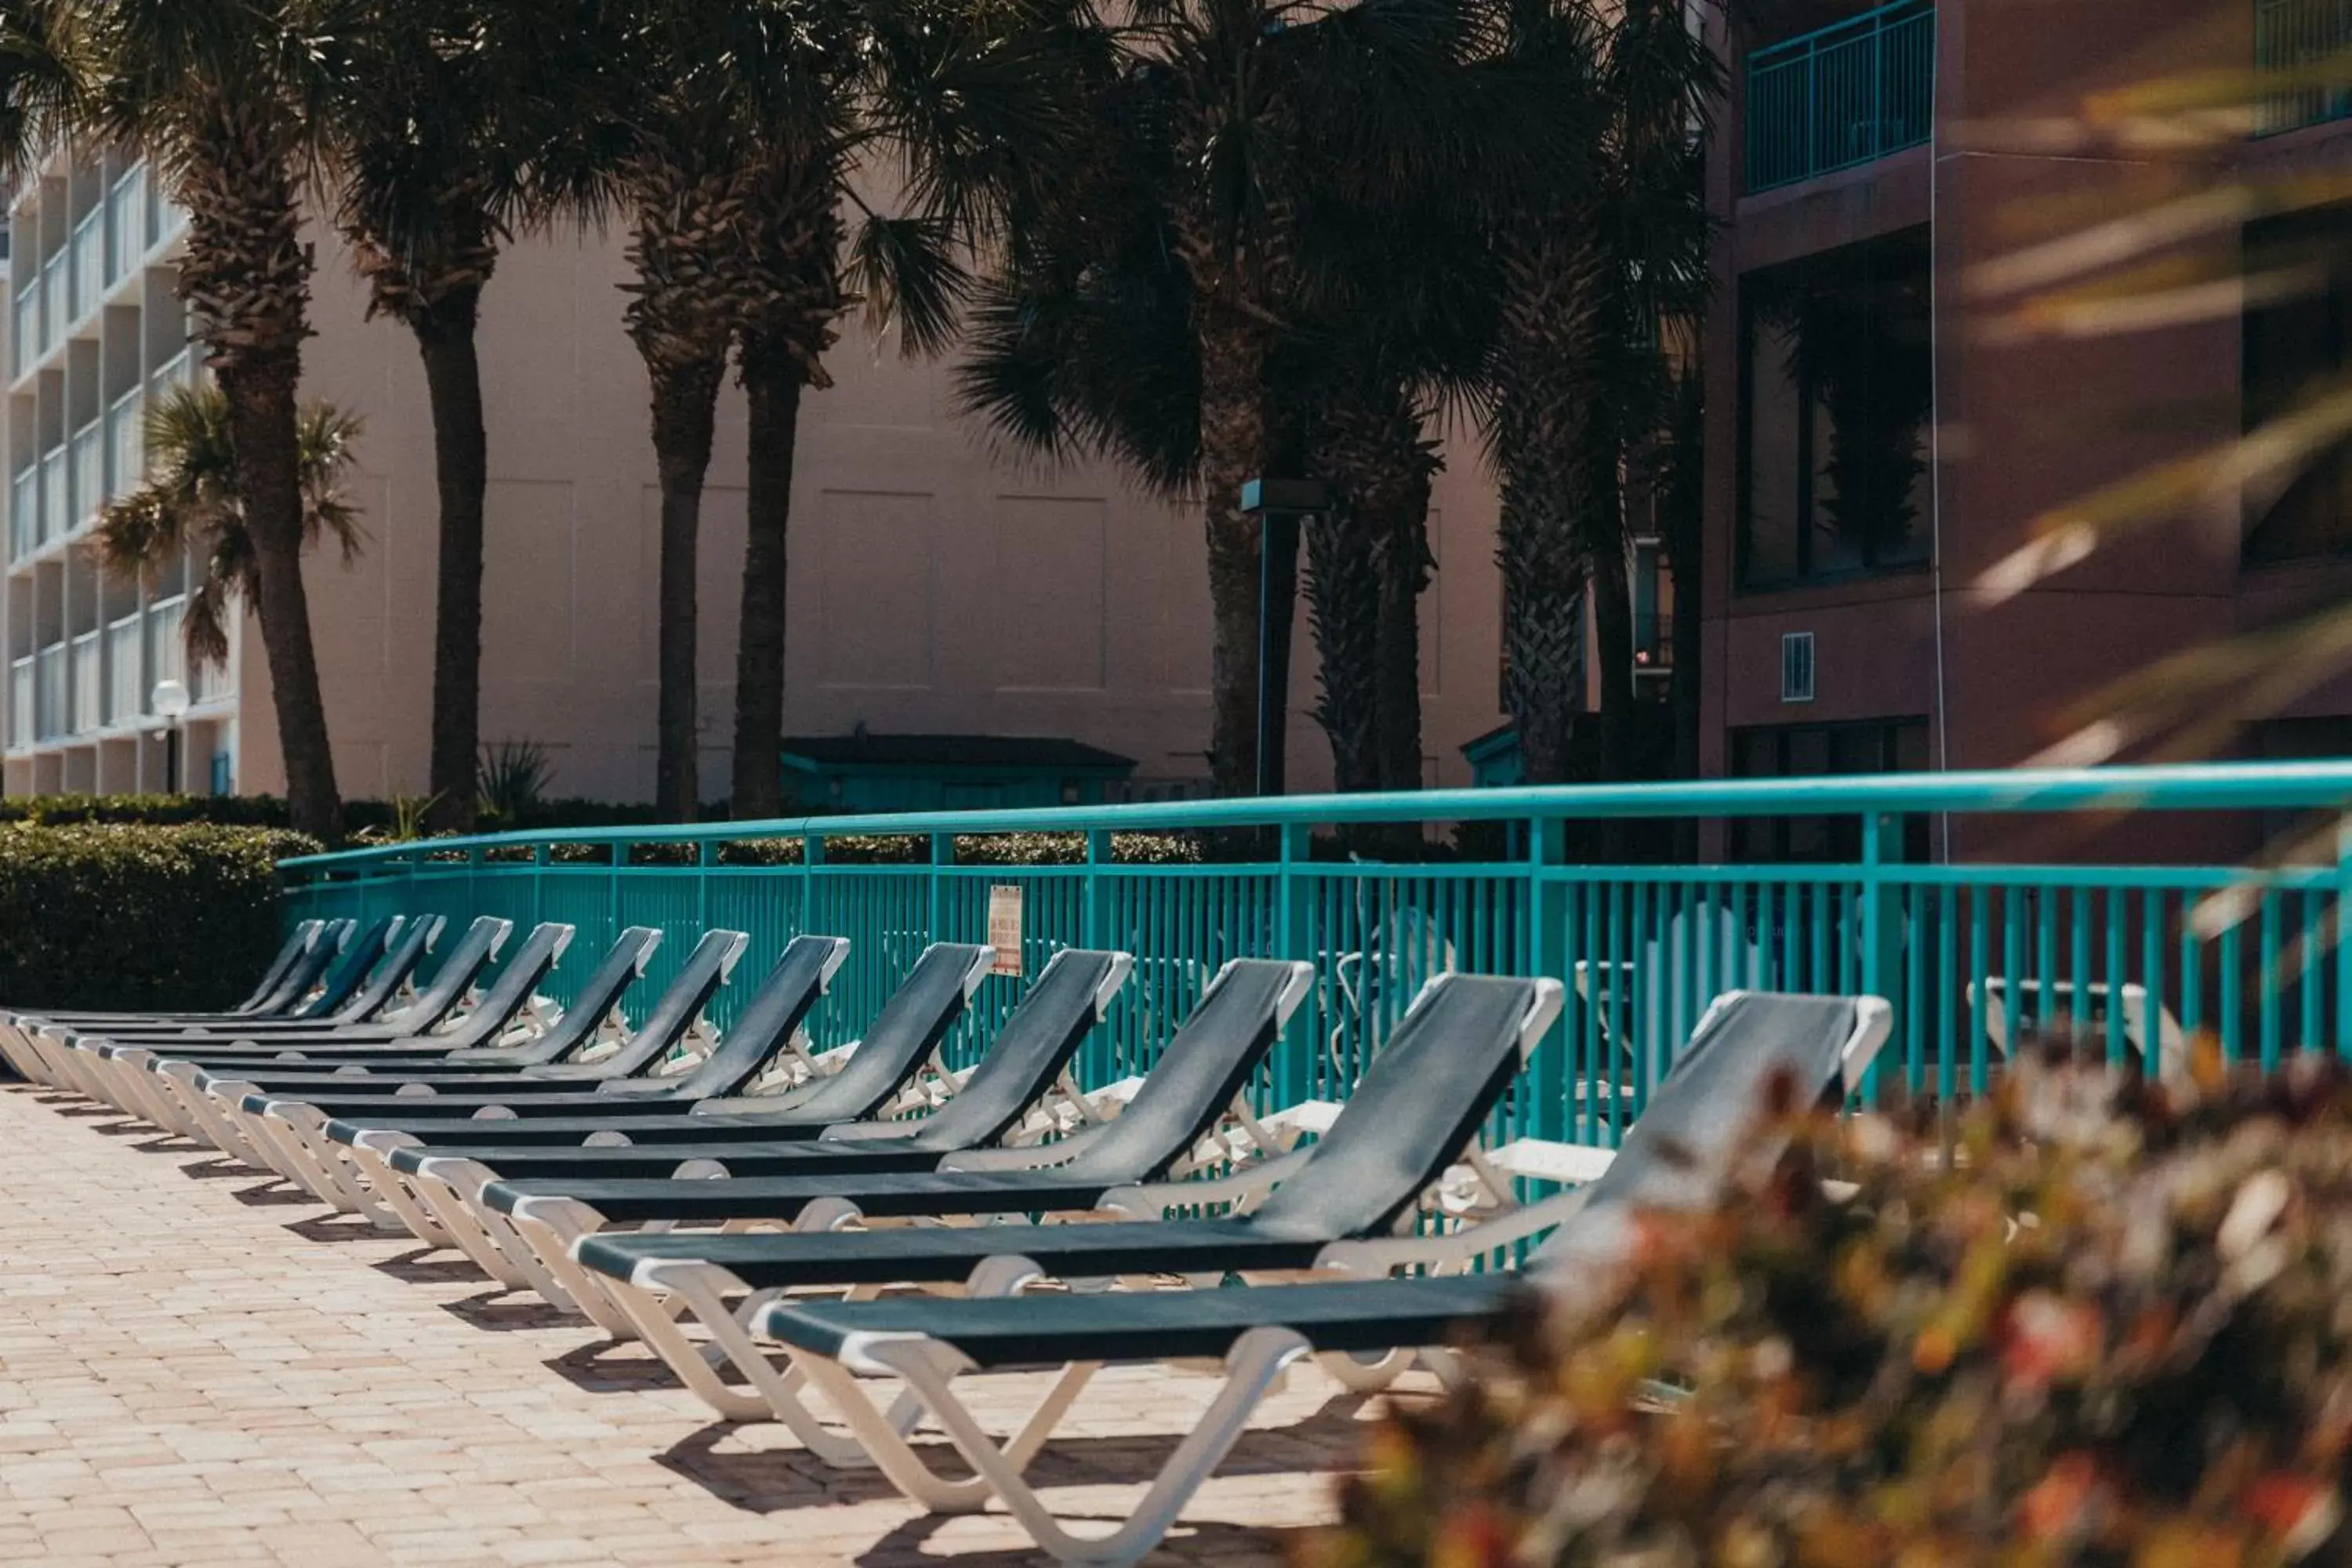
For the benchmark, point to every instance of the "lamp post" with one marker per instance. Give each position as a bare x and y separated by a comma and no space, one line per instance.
168,702
1277,505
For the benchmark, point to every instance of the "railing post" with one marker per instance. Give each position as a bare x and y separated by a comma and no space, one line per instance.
1548,954
936,904
1095,897
1293,940
706,856
812,859
539,863
1882,922
2342,935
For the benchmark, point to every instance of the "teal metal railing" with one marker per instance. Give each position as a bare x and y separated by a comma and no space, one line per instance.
2303,50
1842,95
2139,958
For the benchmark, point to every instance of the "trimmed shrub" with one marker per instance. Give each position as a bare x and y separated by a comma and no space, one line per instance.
137,917
2116,1329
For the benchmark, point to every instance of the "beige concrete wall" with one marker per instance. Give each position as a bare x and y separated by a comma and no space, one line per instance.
934,587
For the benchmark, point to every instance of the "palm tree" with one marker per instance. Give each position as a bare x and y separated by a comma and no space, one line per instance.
964,102
1596,259
1225,130
224,97
192,502
430,139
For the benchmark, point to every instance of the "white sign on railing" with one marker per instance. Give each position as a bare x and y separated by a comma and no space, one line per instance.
1004,927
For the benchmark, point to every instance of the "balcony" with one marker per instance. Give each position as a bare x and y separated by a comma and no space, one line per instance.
24,513
27,345
124,699
126,224
88,250
49,710
126,445
57,515
1842,95
20,703
88,456
57,302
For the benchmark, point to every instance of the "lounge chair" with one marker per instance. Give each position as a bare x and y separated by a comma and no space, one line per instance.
506,1004
1414,1114
121,1070
1675,1156
884,1071
1027,1064
592,1020
291,1113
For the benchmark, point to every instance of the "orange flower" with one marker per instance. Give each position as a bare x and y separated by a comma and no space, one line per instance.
2297,1511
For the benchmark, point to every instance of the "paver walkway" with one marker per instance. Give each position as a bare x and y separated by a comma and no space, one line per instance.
197,1366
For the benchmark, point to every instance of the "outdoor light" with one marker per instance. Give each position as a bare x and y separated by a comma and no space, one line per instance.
169,700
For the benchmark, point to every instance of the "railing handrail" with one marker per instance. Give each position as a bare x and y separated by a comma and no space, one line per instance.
1870,21
120,622
117,405
2204,787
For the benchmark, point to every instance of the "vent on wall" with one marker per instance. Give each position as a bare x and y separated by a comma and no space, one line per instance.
1796,667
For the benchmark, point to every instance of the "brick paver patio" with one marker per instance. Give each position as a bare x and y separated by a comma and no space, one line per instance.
198,1366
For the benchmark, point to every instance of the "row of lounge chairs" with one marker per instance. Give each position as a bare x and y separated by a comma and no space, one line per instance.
802,1237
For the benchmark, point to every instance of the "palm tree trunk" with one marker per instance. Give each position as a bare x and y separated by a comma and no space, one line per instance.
1612,630
685,407
1232,449
772,383
1543,618
453,385
260,392
1343,606
1402,562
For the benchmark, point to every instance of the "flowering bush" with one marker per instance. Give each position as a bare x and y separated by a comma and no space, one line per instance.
2112,1327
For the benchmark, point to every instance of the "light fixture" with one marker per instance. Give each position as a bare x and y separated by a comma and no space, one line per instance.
169,699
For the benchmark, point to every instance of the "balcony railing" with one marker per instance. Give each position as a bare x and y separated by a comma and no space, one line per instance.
124,699
167,655
20,703
25,512
26,343
126,224
51,714
57,302
56,514
89,474
88,263
126,445
89,687
1842,95
180,369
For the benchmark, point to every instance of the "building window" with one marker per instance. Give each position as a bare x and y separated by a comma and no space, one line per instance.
1800,750
1835,391
2296,342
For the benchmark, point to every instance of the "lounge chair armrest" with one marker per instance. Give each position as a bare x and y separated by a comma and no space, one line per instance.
850,1131
1028,1157
1454,1248
1149,1200
629,1086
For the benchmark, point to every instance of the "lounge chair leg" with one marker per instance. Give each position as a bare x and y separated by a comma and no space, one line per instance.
1257,1361
651,1299
550,1227
305,1126
442,1182
370,1155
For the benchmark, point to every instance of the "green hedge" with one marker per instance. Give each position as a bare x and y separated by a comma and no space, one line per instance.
138,916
